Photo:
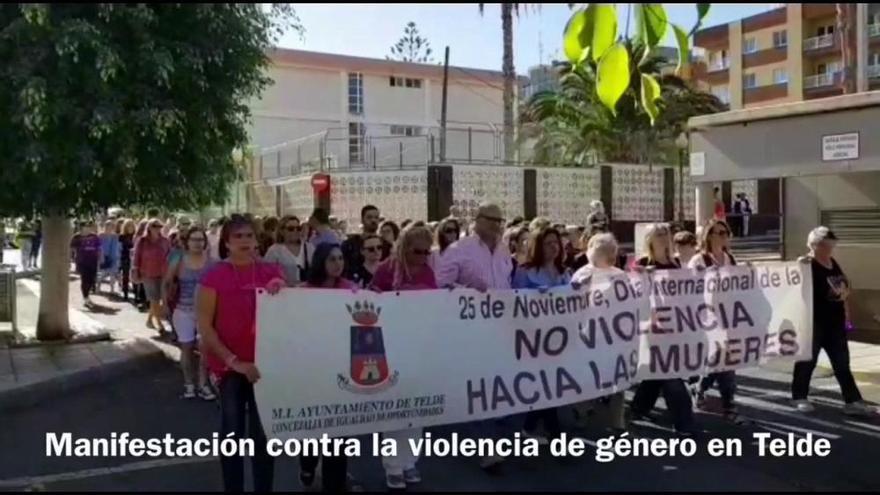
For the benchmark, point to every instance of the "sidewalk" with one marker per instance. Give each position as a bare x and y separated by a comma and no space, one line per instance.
35,372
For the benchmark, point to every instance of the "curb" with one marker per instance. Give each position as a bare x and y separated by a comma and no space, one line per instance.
36,393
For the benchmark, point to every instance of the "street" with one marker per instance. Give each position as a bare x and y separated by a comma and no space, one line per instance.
146,404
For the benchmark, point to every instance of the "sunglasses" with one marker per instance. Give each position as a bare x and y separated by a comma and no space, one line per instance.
421,252
450,231
492,219
372,249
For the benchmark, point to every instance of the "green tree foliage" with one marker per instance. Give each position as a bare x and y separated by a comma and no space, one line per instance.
591,38
573,127
412,47
124,104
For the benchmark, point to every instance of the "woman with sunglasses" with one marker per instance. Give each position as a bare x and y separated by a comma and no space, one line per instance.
226,302
150,263
185,274
289,251
543,269
406,269
659,256
714,251
327,272
371,251
448,232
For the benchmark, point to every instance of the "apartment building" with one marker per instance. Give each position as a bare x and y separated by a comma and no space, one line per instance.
354,112
792,53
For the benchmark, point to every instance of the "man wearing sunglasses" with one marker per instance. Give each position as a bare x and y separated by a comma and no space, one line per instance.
480,261
352,248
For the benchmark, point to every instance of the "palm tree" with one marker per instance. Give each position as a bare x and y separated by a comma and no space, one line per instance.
508,71
572,127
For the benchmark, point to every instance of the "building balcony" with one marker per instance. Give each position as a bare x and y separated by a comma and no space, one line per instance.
820,80
874,71
873,30
818,42
719,66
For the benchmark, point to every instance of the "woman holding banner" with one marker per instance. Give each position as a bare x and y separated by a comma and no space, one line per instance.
714,251
326,272
602,255
659,256
406,269
543,269
227,313
830,320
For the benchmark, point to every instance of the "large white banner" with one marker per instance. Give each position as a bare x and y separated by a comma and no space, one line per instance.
346,363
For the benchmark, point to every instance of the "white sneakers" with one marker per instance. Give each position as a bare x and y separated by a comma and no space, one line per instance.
859,408
803,405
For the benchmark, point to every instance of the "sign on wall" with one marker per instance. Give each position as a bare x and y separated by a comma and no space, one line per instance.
837,147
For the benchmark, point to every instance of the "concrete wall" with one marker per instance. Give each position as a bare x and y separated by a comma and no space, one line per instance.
805,199
780,148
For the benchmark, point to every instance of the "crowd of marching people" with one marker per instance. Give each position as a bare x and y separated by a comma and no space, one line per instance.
202,281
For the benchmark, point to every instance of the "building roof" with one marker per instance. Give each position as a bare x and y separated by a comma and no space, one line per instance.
287,56
783,110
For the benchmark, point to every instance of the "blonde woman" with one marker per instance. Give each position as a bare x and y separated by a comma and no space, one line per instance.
714,251
602,255
659,255
406,269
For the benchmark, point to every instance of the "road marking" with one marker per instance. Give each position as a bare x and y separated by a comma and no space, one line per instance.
79,321
796,429
788,413
27,481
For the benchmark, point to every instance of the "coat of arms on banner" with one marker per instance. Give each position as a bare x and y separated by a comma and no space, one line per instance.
369,372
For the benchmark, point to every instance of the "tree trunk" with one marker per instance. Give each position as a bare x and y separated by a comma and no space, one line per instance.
509,79
53,322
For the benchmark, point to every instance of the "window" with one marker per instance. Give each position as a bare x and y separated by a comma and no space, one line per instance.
406,130
750,81
722,93
750,45
356,132
780,76
405,82
780,39
823,30
355,93
874,58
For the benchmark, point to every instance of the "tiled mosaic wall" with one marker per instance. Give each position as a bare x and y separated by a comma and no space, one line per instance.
637,193
564,194
398,194
475,184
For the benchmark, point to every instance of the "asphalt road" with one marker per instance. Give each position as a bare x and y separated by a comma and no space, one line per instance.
146,404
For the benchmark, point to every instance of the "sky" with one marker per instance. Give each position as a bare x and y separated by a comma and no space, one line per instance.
369,30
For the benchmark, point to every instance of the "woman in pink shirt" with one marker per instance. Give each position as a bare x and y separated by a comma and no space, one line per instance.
227,315
148,268
406,269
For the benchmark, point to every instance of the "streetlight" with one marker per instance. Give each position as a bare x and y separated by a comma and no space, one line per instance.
681,142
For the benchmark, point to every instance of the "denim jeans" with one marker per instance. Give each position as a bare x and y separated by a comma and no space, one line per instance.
238,410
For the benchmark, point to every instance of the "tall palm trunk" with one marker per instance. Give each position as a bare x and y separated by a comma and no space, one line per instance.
53,322
509,79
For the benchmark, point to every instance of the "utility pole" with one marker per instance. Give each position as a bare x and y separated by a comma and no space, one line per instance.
443,107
